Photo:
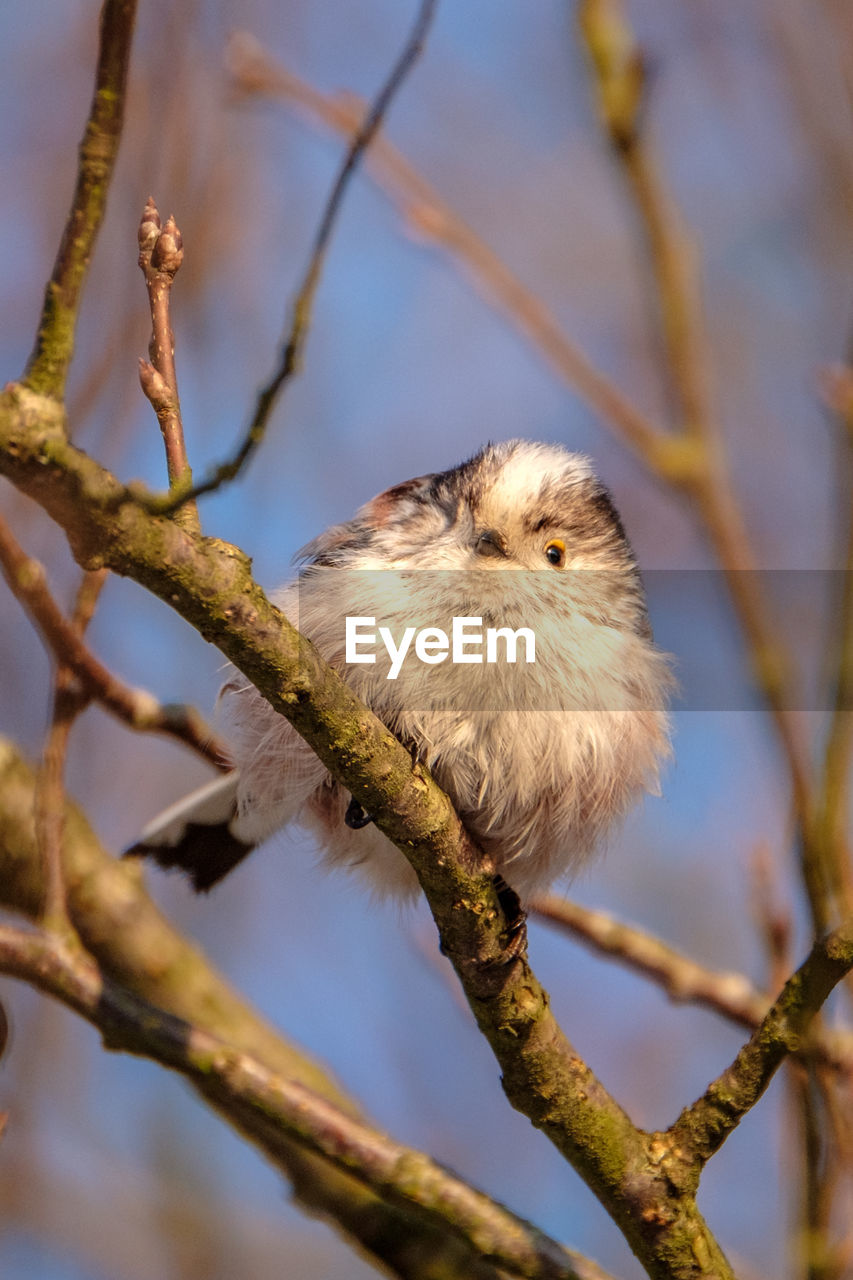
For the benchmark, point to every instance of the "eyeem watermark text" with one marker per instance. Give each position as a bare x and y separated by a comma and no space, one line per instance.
433,645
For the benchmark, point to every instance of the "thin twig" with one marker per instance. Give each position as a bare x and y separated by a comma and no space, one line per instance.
827,1166
703,1127
160,256
771,668
727,993
803,1083
812,1092
48,365
259,1101
136,708
432,219
49,810
772,919
86,600
837,388
70,698
290,354
620,83
811,1243
617,64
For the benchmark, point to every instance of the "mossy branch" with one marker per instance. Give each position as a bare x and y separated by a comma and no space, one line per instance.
50,360
702,1128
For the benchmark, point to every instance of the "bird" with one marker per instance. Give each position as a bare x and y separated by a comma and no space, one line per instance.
493,617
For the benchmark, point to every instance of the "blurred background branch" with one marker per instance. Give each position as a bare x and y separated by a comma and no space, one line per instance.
149,991
274,1111
136,708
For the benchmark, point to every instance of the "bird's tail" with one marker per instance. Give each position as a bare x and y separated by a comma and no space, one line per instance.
196,835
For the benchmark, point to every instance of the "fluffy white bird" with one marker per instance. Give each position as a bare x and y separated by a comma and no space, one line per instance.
539,756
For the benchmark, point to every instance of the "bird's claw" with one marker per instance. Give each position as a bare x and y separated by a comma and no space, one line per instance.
356,816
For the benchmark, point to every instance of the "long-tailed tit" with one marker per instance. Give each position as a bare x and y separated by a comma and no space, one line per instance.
493,617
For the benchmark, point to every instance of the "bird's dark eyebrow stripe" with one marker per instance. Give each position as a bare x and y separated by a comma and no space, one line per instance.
544,522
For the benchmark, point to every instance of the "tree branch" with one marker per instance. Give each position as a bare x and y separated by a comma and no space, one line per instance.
297,331
837,387
136,708
702,1128
617,65
269,1107
144,958
254,72
160,256
727,993
69,701
48,365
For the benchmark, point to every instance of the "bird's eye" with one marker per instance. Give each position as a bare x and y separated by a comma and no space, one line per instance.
555,552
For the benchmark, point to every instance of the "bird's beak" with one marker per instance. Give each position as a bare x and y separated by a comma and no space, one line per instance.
491,543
